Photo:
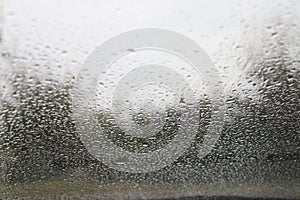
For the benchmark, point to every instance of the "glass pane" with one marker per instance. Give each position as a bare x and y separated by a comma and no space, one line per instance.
149,99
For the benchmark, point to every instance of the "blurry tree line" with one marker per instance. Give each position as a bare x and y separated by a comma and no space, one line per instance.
38,135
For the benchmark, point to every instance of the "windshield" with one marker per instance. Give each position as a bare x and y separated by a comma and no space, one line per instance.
149,99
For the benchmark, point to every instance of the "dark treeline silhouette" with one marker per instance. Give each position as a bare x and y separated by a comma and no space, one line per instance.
39,139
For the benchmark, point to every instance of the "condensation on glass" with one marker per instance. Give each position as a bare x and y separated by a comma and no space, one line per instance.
254,46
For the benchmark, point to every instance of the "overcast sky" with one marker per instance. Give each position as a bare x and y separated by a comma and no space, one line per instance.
60,34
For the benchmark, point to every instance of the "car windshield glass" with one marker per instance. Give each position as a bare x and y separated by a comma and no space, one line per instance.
141,99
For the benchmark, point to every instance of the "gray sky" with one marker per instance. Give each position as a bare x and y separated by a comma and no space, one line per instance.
58,35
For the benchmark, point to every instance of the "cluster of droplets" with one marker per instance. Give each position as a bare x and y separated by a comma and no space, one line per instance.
38,139
38,136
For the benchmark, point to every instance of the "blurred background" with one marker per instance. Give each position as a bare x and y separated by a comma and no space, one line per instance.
255,46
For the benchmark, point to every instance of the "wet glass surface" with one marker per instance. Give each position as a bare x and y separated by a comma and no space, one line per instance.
149,99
